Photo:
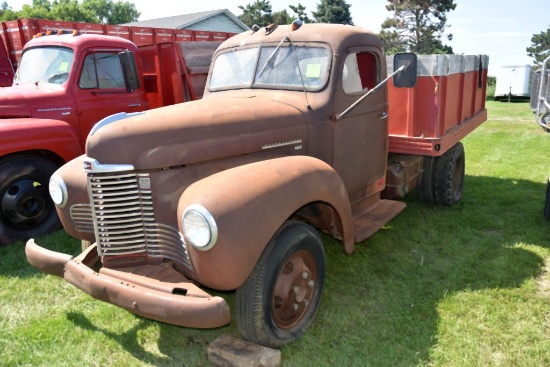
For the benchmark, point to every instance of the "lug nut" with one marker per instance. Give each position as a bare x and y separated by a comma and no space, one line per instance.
296,289
310,284
305,275
295,307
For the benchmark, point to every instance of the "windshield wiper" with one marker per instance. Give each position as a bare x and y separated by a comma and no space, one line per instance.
271,56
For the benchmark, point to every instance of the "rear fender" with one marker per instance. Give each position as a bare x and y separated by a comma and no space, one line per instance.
249,203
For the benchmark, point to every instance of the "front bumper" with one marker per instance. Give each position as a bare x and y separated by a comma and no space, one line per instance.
148,290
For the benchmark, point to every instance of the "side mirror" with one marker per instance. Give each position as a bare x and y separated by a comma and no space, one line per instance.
407,77
129,70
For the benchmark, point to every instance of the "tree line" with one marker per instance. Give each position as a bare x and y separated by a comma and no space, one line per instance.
418,26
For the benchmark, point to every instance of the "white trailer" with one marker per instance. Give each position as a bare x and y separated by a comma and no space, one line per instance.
513,82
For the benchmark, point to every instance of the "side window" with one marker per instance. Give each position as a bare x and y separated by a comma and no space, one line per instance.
360,72
101,70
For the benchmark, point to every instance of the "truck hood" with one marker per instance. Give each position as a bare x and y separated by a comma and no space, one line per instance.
197,131
15,101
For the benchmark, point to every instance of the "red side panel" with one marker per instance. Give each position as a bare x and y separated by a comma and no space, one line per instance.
142,35
219,36
90,28
44,25
184,35
446,104
203,36
163,35
121,31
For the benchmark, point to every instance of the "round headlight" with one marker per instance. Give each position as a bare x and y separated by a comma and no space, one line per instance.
58,190
199,227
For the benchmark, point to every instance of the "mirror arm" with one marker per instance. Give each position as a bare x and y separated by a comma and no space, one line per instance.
350,108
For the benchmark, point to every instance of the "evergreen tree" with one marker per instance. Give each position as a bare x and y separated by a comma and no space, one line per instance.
300,13
259,12
540,46
417,26
333,11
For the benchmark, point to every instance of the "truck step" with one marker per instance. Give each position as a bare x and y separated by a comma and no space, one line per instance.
371,221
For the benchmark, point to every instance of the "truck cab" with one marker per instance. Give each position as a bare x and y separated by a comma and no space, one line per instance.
231,191
66,77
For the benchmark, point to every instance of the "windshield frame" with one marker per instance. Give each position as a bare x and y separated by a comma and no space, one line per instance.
259,65
48,70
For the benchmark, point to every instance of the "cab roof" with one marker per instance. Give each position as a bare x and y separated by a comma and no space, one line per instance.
338,36
81,41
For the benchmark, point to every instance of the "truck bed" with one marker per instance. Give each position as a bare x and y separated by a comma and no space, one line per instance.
447,103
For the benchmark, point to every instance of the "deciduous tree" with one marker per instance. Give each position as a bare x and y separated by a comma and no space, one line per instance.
93,11
417,26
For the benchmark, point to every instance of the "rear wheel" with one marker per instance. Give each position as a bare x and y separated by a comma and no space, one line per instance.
279,300
26,207
449,176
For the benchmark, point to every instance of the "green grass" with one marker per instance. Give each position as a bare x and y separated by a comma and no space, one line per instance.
459,286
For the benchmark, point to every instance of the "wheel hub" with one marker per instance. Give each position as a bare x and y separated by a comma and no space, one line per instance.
294,289
24,203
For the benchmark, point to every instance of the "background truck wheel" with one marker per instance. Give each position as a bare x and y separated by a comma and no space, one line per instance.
449,175
426,190
280,298
26,207
547,201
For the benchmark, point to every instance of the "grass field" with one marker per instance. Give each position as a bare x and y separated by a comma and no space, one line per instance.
467,285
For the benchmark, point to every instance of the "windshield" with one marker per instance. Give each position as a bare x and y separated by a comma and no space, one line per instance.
45,65
271,66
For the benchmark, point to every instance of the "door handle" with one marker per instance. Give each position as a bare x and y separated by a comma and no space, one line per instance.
383,115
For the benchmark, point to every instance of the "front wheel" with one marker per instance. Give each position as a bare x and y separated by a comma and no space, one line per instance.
279,300
26,207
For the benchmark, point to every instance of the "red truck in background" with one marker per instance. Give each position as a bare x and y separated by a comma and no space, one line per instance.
66,82
302,128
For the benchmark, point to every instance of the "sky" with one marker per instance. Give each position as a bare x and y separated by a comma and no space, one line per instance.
501,29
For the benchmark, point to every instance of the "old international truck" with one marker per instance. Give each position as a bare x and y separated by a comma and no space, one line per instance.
230,191
64,84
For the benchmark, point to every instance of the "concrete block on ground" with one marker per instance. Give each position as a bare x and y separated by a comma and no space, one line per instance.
227,351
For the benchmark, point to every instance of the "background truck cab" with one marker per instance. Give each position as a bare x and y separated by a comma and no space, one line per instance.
230,191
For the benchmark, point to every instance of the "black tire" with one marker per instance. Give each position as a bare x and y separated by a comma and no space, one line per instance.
547,201
426,187
27,210
449,175
281,296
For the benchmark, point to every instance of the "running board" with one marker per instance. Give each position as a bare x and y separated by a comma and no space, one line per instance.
368,223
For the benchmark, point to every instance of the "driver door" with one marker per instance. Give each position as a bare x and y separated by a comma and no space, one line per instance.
361,137
100,90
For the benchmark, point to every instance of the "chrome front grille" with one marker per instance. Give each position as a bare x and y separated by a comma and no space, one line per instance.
81,215
124,216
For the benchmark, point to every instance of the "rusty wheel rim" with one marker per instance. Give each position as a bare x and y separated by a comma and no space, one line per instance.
294,289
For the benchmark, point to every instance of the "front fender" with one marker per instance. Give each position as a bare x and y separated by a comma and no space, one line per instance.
24,134
249,203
